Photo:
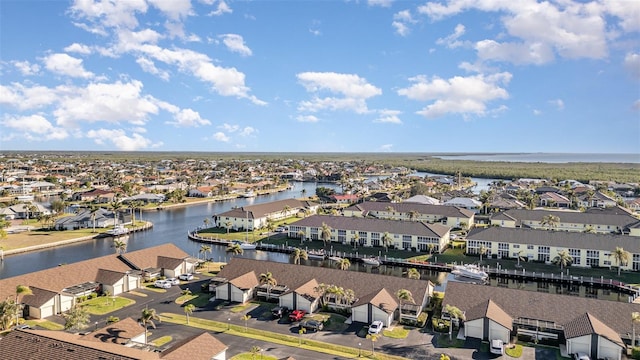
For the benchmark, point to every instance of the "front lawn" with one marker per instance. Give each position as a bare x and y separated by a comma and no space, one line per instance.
106,304
397,332
45,324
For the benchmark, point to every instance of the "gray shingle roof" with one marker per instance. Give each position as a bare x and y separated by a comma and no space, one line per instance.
405,207
375,225
262,210
618,220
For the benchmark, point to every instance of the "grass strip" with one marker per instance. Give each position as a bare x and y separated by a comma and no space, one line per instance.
276,338
398,332
45,324
104,305
251,356
162,340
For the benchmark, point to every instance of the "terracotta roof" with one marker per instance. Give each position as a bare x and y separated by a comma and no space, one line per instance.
587,324
559,309
117,333
198,347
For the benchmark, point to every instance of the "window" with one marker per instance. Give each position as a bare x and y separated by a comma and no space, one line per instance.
516,246
375,239
342,236
593,258
529,247
406,242
575,254
363,237
543,253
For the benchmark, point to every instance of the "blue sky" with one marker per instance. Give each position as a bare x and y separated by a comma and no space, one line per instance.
321,76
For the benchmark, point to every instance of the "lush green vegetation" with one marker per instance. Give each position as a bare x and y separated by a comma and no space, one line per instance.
106,304
398,332
45,324
515,351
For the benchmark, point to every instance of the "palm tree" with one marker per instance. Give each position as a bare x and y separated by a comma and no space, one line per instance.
563,259
404,296
286,210
483,250
321,290
94,212
299,254
204,249
115,207
9,311
373,338
622,257
21,292
413,214
228,226
270,227
349,296
254,351
268,279
519,257
235,249
635,318
386,240
454,313
147,318
246,318
76,318
325,233
120,246
551,222
301,234
344,264
413,273
356,240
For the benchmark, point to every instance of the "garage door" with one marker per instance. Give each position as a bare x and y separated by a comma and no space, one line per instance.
66,304
286,300
497,331
222,292
473,329
607,349
133,283
360,314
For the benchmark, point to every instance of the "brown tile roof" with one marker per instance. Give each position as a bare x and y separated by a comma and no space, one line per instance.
109,277
262,210
117,333
574,217
363,284
587,324
245,281
559,309
308,289
198,347
48,345
492,311
166,262
380,299
39,297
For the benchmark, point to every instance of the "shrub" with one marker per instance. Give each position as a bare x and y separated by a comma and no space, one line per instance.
112,319
440,325
635,353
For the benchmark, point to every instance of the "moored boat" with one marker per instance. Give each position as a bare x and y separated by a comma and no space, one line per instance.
246,245
470,271
371,261
316,254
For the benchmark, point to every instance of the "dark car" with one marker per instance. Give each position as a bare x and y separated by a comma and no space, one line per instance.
279,311
312,325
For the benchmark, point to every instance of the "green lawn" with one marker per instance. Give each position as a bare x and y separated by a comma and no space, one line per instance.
162,340
198,300
398,332
515,351
250,356
45,324
104,305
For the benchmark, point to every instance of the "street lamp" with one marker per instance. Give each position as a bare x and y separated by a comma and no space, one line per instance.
96,328
229,324
359,349
261,351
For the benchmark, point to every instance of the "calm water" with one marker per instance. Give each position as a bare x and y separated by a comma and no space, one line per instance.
550,158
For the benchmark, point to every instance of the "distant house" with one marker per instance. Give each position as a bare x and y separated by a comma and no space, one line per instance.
464,203
145,198
95,195
598,199
87,219
447,215
28,211
256,216
422,199
552,199
343,198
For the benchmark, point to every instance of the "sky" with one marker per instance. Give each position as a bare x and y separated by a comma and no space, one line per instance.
320,75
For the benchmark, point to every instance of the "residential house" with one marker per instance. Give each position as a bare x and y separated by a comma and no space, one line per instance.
373,297
95,195
591,326
256,216
28,211
586,249
552,199
408,235
598,199
88,219
464,203
343,198
447,215
146,198
422,199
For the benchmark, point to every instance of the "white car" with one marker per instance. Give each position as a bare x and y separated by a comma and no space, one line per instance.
581,356
173,281
497,347
376,327
163,284
186,277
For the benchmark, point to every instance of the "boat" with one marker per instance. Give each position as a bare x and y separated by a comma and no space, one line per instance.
470,271
371,261
117,230
246,245
335,258
248,194
316,254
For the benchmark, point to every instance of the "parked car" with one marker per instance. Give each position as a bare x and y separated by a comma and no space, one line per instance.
280,229
312,325
186,277
163,284
297,315
581,356
376,327
173,281
497,347
279,311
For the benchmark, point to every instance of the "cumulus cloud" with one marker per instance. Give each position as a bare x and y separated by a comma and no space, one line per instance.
451,41
248,131
235,43
34,127
242,131
632,64
64,64
401,22
388,116
120,140
174,9
220,136
107,14
78,48
307,118
221,8
457,95
354,91
188,118
381,3
150,67
26,68
24,97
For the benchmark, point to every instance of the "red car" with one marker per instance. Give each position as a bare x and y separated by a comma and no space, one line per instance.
297,315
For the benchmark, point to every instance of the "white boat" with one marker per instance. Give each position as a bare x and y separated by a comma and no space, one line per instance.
316,254
335,258
117,231
371,261
470,271
248,194
246,245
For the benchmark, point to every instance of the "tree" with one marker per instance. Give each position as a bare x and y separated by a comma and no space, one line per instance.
270,227
413,215
454,313
115,207
254,351
299,254
9,311
444,357
204,249
246,318
635,319
235,249
551,222
563,259
373,338
301,234
386,240
268,279
325,233
356,240
120,246
228,226
76,318
301,330
622,257
483,250
147,318
344,264
519,257
206,222
413,273
404,296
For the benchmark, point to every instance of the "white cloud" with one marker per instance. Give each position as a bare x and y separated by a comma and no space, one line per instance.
248,131
632,63
307,118
381,3
78,48
401,22
26,68
353,89
517,53
451,41
557,103
35,127
220,136
388,116
121,141
401,28
229,127
235,43
64,64
27,98
174,9
461,95
222,8
148,66
386,147
104,13
189,118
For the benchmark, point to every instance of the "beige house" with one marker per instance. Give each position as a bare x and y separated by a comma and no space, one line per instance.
450,216
256,216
